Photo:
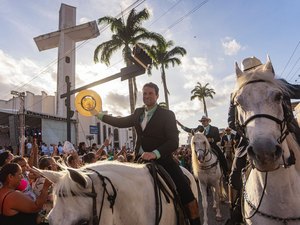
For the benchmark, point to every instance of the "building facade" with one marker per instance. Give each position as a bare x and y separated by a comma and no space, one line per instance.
41,122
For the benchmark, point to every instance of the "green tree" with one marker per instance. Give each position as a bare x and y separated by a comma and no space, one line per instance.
125,34
164,55
201,92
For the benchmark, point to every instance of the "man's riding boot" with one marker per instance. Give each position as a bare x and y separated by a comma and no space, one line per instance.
192,211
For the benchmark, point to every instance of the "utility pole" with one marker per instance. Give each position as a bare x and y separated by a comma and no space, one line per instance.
21,96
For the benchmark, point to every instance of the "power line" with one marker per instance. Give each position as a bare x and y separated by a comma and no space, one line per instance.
290,59
293,68
187,14
295,74
176,3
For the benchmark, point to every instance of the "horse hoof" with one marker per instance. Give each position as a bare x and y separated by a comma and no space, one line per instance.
219,218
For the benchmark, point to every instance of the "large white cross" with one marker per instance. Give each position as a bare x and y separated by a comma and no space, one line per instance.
65,39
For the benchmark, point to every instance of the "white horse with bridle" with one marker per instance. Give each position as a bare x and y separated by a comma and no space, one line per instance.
206,169
111,193
272,190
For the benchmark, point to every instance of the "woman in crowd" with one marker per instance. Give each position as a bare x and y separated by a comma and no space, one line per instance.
5,157
16,208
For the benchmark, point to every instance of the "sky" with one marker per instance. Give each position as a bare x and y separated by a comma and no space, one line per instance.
215,34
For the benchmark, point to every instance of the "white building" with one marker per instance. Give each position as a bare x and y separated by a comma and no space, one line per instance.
41,122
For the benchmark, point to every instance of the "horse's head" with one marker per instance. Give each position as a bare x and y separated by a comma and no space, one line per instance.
200,146
72,197
260,115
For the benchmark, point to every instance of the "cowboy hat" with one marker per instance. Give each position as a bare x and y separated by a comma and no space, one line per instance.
88,103
205,118
250,63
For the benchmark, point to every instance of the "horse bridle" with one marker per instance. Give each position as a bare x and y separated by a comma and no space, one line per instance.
93,194
284,131
206,152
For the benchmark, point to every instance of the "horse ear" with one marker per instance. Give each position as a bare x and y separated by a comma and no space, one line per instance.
268,66
77,177
238,70
53,176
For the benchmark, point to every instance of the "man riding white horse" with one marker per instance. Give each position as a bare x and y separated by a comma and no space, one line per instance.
157,139
213,136
240,159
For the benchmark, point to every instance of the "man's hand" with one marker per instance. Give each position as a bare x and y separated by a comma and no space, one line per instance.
147,156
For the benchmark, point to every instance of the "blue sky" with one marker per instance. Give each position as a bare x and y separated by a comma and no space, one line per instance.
216,34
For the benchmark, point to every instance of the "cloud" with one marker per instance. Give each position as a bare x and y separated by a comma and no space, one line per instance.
230,46
19,74
196,69
116,104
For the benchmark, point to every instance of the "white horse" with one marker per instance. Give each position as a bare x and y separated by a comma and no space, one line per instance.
206,169
110,193
272,190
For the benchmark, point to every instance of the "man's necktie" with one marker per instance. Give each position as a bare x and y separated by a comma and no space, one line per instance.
145,120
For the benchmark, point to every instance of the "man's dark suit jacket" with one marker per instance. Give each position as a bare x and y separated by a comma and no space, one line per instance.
213,133
160,133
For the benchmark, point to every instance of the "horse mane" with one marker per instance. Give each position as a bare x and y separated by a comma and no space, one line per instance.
67,187
292,142
195,163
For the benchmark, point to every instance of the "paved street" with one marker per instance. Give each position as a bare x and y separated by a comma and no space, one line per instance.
212,214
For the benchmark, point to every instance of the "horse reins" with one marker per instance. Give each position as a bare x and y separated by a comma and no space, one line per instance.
206,152
256,208
284,131
93,194
110,197
245,195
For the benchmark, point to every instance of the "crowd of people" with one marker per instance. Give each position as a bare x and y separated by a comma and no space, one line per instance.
25,196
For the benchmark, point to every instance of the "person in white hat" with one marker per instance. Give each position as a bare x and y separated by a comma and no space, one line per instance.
240,158
213,136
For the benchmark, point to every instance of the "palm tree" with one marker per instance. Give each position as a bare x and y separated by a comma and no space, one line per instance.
201,92
125,36
162,56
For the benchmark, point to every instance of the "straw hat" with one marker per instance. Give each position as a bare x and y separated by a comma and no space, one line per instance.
250,63
205,118
88,103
